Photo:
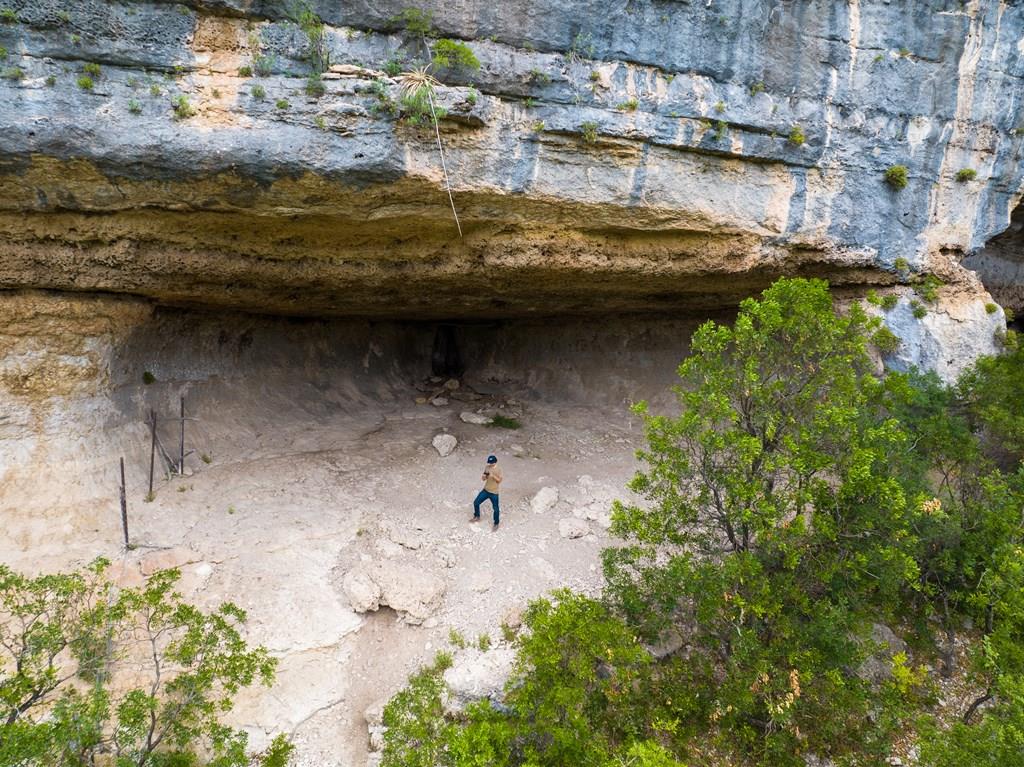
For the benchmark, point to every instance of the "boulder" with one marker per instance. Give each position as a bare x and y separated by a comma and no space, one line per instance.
439,401
444,444
362,591
478,418
877,667
571,527
476,675
544,500
408,589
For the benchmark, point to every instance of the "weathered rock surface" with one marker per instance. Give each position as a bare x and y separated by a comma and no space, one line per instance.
475,675
444,444
571,527
641,157
475,418
544,500
404,588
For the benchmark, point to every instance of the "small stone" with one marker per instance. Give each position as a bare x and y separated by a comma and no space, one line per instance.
444,444
439,401
570,527
544,500
477,418
517,449
451,384
421,400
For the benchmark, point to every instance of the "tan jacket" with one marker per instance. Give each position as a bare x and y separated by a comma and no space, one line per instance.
492,478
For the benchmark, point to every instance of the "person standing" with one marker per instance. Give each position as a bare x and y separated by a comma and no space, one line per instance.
492,479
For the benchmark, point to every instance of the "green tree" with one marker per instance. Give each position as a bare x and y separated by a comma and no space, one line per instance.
775,529
136,675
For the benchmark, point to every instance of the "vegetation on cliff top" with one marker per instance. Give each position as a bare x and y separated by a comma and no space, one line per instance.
798,505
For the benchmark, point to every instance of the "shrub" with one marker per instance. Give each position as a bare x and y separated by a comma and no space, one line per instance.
582,48
537,76
320,122
92,69
456,639
966,174
263,65
796,136
589,132
901,265
756,88
471,97
529,102
315,86
929,288
393,66
66,636
258,92
245,71
154,89
415,21
282,104
628,106
449,54
85,83
312,27
991,308
8,16
504,422
134,107
483,642
3,53
594,75
538,126
889,301
51,80
183,109
13,73
919,310
720,107
721,130
896,176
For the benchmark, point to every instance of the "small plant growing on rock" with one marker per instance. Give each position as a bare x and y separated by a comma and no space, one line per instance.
582,48
896,176
85,83
504,422
885,340
929,288
538,126
182,107
537,76
471,97
483,642
263,65
134,107
901,265
629,105
756,88
966,174
889,302
720,107
312,27
92,69
991,308
282,104
449,54
258,92
315,86
245,71
873,298
13,73
589,132
796,136
414,21
393,66
8,16
918,309
320,122
456,639
721,130
508,633
594,75
148,378
3,53
51,80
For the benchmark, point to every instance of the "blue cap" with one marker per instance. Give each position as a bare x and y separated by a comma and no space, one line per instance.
492,459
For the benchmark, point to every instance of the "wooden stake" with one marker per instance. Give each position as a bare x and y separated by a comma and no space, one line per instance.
152,450
124,506
181,452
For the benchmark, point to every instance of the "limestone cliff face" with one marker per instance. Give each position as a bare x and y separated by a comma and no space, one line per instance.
606,156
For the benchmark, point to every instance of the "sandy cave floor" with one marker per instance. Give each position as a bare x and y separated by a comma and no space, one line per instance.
278,516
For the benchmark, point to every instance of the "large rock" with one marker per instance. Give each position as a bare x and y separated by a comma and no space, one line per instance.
572,527
475,675
362,591
444,444
479,419
544,500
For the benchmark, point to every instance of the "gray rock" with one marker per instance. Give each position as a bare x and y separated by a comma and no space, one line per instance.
475,675
571,527
476,418
877,668
362,591
444,444
544,500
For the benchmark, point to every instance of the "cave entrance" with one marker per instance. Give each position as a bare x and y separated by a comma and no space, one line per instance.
1000,265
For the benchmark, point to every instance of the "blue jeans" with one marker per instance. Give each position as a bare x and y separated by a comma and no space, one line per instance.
485,496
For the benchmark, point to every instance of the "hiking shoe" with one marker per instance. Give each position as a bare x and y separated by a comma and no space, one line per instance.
474,519
494,527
